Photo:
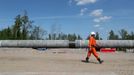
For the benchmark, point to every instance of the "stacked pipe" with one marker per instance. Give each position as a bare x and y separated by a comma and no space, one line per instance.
65,43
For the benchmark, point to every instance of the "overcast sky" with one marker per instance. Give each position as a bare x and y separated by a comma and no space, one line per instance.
72,16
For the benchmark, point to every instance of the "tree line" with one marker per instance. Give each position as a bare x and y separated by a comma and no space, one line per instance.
24,29
123,35
62,36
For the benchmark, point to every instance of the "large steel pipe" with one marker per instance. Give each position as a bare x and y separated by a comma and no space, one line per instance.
35,43
107,43
66,43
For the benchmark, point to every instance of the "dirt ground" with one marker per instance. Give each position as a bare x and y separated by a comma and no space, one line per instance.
27,61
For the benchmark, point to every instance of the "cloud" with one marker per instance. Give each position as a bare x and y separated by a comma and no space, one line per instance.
84,2
97,20
99,16
102,19
105,18
70,2
83,11
97,13
97,25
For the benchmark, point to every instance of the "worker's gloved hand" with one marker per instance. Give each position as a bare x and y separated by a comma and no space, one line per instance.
93,46
97,48
89,49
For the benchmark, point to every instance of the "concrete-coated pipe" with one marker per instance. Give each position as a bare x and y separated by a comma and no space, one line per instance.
107,43
65,43
35,43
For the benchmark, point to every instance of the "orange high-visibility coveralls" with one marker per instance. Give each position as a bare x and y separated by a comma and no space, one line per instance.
92,45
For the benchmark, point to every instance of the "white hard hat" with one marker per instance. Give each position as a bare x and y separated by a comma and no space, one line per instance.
93,33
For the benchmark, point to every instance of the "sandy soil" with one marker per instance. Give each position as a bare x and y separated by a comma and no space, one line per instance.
27,61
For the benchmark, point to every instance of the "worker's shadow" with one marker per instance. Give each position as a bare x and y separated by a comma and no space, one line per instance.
84,61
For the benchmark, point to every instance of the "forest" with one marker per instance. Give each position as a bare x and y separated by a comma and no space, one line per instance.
25,29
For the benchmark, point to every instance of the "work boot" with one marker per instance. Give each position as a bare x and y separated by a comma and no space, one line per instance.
100,61
87,59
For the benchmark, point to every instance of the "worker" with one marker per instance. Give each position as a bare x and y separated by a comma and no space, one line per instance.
92,48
